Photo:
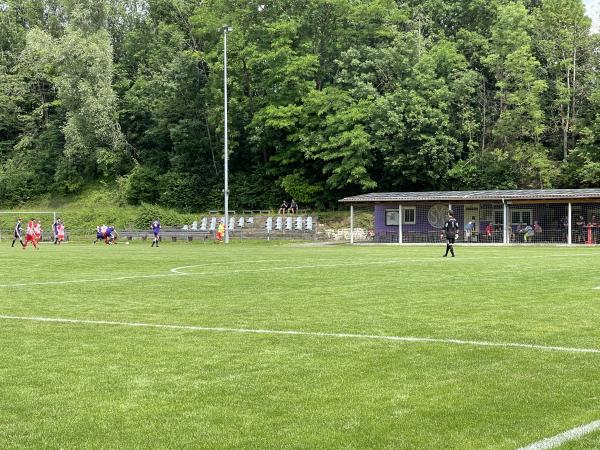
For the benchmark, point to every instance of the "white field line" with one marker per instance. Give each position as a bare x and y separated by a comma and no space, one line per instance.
559,439
177,271
306,333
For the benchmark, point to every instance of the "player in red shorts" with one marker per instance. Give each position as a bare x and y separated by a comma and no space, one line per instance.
60,232
30,234
37,228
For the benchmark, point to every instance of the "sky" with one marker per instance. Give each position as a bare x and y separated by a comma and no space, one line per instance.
593,11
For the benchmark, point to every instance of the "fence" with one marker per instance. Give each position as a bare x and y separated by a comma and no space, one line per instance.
482,223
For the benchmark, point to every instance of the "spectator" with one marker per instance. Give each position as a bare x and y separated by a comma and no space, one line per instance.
520,232
579,229
537,231
528,233
293,207
283,208
469,227
564,228
489,232
594,224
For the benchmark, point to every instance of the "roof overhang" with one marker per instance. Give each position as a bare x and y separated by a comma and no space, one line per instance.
476,196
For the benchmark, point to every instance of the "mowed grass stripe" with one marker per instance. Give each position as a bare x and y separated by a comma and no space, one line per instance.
506,345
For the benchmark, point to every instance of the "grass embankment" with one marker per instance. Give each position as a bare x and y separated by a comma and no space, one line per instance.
100,205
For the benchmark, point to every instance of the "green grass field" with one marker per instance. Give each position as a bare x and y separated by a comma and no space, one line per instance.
214,382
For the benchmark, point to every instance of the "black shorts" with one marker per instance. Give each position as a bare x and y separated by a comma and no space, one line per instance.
450,240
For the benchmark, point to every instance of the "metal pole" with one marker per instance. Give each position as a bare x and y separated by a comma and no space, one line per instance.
351,224
400,223
506,235
570,226
226,187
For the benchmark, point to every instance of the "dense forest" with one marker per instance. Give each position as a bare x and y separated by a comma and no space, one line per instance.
327,98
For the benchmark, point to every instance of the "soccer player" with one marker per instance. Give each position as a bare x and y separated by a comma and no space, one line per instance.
30,234
18,233
55,230
110,235
156,230
37,228
100,229
220,232
60,232
450,232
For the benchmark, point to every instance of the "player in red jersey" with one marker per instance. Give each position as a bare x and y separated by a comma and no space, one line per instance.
60,232
37,228
30,234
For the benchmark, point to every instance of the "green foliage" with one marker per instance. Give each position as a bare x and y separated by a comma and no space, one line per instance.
327,98
142,185
147,213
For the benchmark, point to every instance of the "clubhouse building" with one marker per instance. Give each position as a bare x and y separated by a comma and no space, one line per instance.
558,216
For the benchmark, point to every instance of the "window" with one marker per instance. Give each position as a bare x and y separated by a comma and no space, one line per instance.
391,217
521,216
409,213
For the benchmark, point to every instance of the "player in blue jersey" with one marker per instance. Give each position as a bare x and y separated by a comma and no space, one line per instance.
156,230
110,235
100,230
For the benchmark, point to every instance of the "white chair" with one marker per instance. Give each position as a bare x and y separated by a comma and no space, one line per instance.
195,225
241,222
288,223
269,224
213,224
203,224
298,223
250,220
231,224
309,223
185,227
279,224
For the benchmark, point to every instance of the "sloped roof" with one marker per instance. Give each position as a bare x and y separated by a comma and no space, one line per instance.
450,196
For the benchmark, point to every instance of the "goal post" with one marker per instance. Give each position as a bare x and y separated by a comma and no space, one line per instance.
9,218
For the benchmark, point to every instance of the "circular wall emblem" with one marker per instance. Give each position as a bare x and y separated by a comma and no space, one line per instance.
437,215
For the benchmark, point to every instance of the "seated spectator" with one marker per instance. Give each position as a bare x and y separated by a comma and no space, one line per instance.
520,232
528,233
293,207
283,208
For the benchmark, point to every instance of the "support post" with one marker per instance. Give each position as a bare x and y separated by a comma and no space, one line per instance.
226,30
505,234
351,223
400,217
570,225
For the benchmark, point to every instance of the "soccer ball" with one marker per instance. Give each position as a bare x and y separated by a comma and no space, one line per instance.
126,243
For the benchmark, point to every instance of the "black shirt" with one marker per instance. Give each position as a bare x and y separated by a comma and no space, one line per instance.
451,227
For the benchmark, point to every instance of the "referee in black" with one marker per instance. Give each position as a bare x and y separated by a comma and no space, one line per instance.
451,232
18,234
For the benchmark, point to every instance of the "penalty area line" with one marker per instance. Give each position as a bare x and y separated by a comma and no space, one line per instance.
504,345
559,439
